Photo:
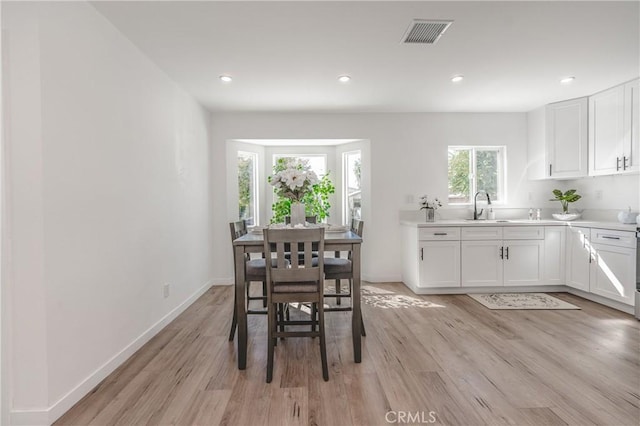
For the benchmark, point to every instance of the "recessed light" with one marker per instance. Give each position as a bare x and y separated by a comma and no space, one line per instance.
344,79
567,80
226,78
457,78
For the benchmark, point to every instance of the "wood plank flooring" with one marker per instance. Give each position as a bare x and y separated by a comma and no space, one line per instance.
425,358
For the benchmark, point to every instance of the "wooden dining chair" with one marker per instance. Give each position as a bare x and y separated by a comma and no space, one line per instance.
338,268
255,271
301,280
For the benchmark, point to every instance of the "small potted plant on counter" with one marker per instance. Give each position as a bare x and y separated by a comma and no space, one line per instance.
429,207
568,197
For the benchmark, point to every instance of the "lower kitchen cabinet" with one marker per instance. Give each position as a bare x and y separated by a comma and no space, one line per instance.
578,258
602,262
613,272
439,264
502,263
482,263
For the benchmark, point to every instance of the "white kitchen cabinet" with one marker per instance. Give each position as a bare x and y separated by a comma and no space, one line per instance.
631,143
613,266
603,262
554,255
439,264
431,257
613,127
517,261
566,138
578,258
482,263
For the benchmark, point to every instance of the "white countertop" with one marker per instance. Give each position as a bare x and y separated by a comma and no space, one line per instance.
520,222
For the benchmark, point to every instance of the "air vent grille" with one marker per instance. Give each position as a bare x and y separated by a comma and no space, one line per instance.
425,32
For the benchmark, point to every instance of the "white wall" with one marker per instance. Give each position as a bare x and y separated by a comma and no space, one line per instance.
408,157
108,191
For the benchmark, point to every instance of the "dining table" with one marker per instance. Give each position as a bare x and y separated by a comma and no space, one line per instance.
253,242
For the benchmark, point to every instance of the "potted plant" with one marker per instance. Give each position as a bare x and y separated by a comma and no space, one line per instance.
430,207
569,196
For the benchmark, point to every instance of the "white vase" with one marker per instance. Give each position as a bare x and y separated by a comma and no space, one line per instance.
297,213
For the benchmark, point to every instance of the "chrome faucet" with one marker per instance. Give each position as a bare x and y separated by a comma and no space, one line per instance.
477,215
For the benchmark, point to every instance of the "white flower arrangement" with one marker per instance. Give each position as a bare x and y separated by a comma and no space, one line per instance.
426,204
295,180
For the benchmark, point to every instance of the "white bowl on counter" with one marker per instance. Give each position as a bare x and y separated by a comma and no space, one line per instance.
566,216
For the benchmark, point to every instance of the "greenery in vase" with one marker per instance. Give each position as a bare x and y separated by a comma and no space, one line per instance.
294,180
568,197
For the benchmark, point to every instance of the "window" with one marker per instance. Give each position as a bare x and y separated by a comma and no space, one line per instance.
318,162
247,187
473,169
351,177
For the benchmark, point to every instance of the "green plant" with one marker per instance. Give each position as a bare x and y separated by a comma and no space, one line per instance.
315,196
568,197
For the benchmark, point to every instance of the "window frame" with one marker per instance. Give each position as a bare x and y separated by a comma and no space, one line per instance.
255,196
346,213
473,184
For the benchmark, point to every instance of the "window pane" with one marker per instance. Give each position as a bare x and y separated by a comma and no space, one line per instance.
487,172
459,175
247,196
318,163
352,191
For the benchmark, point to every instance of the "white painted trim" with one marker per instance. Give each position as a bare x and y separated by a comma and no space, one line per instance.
223,281
51,414
382,278
601,300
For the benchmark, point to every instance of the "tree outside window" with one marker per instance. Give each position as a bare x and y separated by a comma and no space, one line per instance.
473,169
247,194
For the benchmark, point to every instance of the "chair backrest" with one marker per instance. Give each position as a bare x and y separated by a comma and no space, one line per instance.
300,267
357,227
308,219
238,229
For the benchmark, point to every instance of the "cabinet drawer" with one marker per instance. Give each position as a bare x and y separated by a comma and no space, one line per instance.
482,233
438,233
523,233
613,238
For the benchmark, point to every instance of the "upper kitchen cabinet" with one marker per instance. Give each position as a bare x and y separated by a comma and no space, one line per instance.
613,130
566,139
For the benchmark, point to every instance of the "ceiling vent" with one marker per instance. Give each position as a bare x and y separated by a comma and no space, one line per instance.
423,31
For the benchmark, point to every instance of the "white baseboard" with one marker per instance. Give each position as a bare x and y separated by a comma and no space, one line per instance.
223,281
381,278
51,414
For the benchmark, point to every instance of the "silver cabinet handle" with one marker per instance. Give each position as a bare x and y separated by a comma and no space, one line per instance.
439,233
501,252
421,253
506,253
617,164
624,163
610,238
549,169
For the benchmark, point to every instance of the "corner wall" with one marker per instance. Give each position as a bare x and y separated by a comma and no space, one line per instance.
108,200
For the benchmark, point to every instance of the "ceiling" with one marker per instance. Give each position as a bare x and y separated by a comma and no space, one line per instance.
286,56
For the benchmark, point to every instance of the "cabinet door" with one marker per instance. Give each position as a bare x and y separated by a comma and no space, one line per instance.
606,131
614,273
481,263
554,255
631,144
578,258
439,264
567,138
523,262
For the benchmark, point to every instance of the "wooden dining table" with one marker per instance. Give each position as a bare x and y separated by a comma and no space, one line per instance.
334,241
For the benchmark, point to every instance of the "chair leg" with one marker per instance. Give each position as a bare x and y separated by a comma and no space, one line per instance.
264,294
281,318
363,331
272,326
234,320
323,343
338,290
314,316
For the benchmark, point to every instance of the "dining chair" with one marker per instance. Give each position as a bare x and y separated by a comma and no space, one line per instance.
338,268
300,280
255,271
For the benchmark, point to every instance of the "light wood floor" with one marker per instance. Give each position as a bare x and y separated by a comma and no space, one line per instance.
443,354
